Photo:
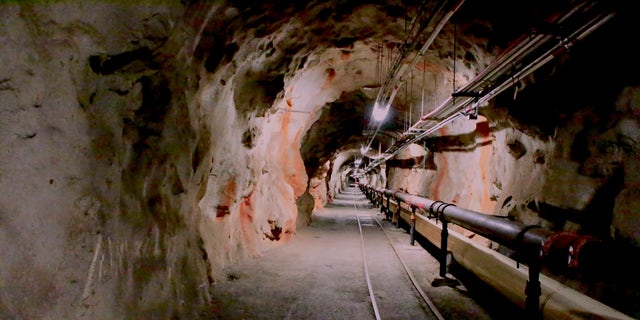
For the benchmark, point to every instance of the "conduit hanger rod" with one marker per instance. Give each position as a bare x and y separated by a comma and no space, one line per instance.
518,61
422,33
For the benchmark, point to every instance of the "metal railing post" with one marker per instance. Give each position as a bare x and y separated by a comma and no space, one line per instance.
443,249
398,213
388,212
413,226
533,291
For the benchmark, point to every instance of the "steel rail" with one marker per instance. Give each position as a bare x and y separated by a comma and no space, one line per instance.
372,296
425,298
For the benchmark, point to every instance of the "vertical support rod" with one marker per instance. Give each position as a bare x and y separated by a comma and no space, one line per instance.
424,158
443,249
388,212
413,226
533,291
398,213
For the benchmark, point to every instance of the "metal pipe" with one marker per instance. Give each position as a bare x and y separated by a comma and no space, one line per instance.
506,232
558,300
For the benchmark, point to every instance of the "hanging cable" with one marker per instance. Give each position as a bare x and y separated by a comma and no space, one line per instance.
422,32
529,54
424,71
435,91
378,72
455,36
411,97
406,95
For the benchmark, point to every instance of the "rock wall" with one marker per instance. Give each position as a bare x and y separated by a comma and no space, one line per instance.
95,164
318,186
147,147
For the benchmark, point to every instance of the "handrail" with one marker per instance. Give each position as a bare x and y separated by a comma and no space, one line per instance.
506,232
533,243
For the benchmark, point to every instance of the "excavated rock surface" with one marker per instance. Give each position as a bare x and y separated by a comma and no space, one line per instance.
147,147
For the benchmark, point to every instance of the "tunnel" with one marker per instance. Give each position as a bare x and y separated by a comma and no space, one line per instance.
148,147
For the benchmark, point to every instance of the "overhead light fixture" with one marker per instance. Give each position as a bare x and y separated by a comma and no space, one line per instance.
380,112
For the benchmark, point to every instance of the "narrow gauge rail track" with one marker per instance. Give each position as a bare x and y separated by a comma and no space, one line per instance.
432,311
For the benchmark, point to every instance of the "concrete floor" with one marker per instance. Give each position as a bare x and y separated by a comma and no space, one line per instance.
320,275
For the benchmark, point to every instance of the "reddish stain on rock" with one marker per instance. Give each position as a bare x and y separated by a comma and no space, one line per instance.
456,199
246,217
284,125
486,205
294,170
482,128
276,230
290,159
442,169
429,67
484,131
246,210
246,213
331,74
222,211
227,198
288,229
289,156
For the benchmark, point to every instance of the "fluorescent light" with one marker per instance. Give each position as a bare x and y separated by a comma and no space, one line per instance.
379,113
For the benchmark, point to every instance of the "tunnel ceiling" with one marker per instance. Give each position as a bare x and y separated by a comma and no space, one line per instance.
369,35
294,37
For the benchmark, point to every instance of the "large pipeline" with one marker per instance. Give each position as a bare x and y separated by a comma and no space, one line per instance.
533,242
503,231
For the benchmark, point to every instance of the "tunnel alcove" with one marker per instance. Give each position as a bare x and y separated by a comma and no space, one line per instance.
341,123
147,147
